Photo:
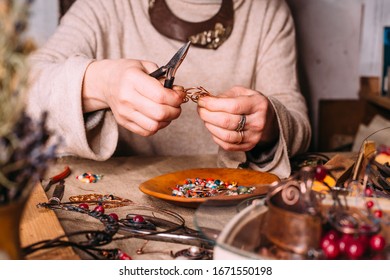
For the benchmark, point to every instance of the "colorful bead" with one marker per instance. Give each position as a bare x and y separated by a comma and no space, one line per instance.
114,216
84,206
368,192
89,177
320,173
99,209
200,188
370,204
378,213
138,219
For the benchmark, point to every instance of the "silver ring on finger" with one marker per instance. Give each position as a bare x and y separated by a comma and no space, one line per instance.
241,124
241,134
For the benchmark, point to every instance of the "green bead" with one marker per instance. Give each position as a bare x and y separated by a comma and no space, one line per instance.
242,190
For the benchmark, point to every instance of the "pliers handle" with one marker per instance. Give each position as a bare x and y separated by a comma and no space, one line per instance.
169,70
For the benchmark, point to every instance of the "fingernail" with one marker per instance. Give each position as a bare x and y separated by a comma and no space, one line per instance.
201,102
178,88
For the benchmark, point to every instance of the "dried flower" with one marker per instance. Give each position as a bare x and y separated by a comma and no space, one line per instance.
23,153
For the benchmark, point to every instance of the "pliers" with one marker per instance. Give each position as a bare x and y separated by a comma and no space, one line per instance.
55,179
169,70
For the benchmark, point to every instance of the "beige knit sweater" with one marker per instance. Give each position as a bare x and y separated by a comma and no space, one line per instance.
260,54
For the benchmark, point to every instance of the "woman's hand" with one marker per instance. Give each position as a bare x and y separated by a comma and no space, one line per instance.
138,101
222,115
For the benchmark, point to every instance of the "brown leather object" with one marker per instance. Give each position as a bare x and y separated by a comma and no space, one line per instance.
168,24
65,5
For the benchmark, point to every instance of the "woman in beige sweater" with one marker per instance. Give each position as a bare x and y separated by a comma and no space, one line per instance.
92,77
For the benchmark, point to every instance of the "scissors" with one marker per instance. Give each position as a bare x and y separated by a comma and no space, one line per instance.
169,70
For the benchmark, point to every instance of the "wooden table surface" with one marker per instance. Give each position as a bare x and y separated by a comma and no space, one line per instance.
41,224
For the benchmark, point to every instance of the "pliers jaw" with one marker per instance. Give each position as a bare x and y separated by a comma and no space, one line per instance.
169,70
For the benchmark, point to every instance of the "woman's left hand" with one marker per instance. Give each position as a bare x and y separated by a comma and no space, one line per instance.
222,115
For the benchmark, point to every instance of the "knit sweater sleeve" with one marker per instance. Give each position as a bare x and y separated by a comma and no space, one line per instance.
57,71
276,78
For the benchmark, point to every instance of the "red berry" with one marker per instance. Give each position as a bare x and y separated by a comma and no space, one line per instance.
368,192
378,213
354,249
99,209
370,204
377,242
84,206
330,248
324,242
332,235
114,216
344,241
364,239
138,219
320,173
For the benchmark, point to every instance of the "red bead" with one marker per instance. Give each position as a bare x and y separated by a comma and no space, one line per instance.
138,219
84,206
99,209
370,204
368,192
320,173
114,216
377,242
123,255
378,213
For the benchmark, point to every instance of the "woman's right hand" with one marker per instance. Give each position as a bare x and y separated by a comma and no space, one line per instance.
138,101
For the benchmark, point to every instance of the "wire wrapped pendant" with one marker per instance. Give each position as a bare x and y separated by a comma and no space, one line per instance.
194,93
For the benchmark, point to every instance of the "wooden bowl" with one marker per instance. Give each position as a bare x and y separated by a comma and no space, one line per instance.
161,186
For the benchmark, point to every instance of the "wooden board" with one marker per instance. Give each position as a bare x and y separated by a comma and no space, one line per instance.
41,224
